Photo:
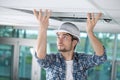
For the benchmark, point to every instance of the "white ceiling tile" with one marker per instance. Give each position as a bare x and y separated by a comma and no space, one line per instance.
109,8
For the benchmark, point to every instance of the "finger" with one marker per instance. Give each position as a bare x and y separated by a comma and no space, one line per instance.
40,14
48,14
45,15
98,16
35,13
88,16
93,18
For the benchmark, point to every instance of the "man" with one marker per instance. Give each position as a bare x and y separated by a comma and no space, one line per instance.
67,64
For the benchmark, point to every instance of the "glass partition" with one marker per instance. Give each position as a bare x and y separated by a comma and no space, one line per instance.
25,63
9,31
118,47
118,58
118,71
101,72
6,53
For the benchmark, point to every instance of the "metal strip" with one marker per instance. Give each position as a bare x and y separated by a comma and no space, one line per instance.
113,73
15,62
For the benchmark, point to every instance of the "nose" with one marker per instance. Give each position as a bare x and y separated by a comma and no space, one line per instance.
60,40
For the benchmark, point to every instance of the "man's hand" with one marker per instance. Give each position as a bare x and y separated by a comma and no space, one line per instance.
91,21
43,18
96,44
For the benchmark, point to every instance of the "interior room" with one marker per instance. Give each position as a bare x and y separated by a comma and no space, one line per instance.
19,31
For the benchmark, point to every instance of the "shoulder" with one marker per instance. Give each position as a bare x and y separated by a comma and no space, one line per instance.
82,55
53,55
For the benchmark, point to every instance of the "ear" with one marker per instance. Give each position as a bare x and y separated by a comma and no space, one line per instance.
75,42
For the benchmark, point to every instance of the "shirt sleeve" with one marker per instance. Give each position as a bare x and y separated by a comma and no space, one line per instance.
47,61
93,60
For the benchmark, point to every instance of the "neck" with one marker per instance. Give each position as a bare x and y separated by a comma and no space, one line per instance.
68,55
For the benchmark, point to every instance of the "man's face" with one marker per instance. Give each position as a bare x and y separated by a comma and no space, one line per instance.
64,42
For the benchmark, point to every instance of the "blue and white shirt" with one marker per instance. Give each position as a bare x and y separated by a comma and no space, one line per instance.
55,65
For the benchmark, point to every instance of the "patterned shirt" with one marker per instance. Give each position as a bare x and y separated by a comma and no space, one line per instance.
55,65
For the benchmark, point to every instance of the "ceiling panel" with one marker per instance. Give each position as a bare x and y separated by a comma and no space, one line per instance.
19,13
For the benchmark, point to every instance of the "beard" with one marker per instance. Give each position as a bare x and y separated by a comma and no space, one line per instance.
62,49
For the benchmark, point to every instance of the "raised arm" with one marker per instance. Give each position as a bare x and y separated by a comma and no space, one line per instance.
96,44
43,20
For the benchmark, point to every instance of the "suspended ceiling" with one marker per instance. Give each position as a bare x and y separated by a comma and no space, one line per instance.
19,13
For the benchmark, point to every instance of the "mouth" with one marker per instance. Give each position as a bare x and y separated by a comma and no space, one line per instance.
60,44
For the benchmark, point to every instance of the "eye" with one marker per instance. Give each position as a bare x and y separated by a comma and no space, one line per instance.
65,36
